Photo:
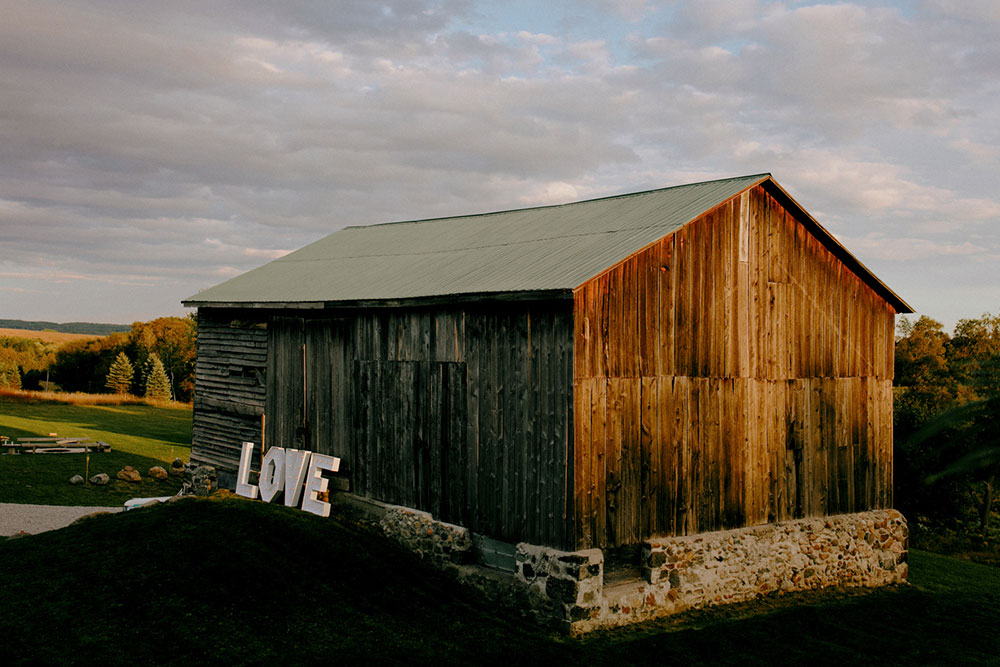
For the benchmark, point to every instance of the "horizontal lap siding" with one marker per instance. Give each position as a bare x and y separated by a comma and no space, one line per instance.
230,371
733,373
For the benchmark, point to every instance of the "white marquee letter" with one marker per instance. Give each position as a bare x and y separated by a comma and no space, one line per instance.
316,483
272,473
296,464
243,487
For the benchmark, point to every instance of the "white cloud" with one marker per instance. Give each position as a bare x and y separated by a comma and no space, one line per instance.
133,132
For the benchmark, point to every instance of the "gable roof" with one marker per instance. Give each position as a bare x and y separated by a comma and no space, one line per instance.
543,251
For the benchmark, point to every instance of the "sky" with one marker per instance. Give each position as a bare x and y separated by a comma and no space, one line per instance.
149,149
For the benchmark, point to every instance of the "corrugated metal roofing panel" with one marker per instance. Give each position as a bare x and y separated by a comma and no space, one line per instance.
537,249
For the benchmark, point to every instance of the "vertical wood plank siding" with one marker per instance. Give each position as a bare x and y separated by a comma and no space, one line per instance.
230,385
733,373
465,413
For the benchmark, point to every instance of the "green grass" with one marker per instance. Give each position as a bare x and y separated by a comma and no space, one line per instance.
236,582
140,435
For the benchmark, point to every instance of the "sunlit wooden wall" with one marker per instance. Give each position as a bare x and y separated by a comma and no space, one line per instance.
734,373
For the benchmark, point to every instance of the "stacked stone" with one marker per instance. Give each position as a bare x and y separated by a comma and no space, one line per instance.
864,549
867,549
430,539
563,587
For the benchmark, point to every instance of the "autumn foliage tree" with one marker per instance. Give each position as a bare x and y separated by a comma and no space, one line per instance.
947,400
84,365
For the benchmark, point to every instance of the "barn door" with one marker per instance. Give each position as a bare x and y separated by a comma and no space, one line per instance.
326,391
286,418
409,425
306,392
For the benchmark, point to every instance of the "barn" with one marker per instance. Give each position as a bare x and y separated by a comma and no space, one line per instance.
593,375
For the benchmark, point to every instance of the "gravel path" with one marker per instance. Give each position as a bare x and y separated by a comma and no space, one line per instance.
39,518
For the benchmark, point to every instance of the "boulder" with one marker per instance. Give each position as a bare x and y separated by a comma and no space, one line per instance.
158,472
177,467
204,480
100,479
129,474
76,480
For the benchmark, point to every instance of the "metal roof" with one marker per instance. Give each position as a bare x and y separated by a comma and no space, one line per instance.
548,249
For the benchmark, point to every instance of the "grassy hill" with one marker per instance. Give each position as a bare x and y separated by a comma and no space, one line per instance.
232,581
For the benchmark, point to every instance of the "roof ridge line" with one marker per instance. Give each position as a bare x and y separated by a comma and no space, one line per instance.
623,195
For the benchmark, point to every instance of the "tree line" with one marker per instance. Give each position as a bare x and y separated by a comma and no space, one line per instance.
84,365
946,409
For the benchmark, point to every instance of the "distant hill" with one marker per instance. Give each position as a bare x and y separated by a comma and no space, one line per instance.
89,328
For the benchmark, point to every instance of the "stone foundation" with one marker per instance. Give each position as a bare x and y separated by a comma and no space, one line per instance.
867,549
429,539
567,589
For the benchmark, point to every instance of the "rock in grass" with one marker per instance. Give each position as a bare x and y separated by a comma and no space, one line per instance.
100,479
76,480
158,472
204,480
177,467
129,474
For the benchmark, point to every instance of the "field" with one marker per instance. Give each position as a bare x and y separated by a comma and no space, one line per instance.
237,582
45,336
140,435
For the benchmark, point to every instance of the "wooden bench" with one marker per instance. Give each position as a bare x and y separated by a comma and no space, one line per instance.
55,445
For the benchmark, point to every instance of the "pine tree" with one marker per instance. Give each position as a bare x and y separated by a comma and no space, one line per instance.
157,382
120,375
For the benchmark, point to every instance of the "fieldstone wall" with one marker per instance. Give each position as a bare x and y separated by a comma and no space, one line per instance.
430,539
867,549
567,589
563,587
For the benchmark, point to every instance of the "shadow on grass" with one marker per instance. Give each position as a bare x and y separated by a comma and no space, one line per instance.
246,582
43,479
145,430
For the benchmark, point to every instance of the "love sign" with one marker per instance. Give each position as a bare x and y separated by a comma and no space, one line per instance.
295,471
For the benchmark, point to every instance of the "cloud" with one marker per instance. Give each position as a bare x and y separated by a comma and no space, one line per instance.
175,144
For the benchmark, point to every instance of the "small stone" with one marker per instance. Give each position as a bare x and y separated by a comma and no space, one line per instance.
76,480
100,479
158,472
129,474
177,467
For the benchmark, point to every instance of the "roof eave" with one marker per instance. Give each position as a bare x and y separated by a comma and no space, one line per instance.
433,300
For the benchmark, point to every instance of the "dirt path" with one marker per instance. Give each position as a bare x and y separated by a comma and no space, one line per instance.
38,518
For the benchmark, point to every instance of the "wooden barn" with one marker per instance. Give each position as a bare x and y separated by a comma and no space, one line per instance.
662,363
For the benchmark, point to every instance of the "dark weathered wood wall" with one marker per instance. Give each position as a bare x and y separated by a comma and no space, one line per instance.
460,411
230,388
734,373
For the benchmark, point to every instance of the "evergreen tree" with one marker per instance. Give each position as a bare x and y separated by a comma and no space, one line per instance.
157,382
120,375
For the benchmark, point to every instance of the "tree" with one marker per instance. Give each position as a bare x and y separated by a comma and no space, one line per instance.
157,382
10,376
120,374
924,385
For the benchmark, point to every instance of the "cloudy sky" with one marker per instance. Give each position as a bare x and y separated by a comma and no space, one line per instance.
152,149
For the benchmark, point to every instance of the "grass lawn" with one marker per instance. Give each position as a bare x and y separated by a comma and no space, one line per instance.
140,435
235,582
